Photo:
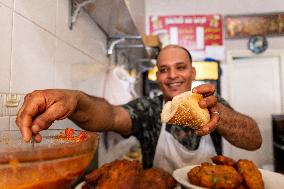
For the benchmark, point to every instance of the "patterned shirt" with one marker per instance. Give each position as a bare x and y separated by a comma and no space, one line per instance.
146,126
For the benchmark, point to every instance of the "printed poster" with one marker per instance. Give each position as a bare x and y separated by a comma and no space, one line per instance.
194,32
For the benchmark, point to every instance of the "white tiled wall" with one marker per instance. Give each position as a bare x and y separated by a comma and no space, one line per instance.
13,125
4,123
83,36
38,51
9,3
32,56
65,57
43,14
5,47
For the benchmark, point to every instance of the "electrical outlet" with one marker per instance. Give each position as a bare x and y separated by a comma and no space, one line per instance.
10,104
12,100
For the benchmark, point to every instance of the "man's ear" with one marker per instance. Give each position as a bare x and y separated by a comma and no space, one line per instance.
193,73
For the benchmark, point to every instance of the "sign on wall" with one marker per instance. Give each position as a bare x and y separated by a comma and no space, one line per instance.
194,32
242,26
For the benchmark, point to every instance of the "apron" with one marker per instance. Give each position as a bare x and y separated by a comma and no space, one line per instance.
171,155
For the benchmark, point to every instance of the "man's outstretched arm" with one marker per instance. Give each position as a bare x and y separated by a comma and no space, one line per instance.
41,108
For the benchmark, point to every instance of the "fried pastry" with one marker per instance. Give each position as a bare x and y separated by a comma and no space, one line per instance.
251,174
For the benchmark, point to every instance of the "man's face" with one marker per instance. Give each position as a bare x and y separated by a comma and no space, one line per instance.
175,72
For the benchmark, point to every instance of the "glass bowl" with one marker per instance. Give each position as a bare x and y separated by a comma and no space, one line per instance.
53,163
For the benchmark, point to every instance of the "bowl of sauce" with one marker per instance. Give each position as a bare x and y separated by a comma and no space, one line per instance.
56,162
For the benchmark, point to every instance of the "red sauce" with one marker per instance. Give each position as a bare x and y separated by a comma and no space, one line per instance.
55,174
69,135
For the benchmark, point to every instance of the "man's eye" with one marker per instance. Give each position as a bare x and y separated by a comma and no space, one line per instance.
163,70
181,67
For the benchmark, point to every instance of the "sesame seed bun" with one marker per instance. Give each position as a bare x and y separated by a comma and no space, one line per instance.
185,110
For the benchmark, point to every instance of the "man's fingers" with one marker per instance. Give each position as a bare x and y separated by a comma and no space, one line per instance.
208,102
45,120
22,121
26,114
35,129
41,108
26,133
205,89
211,126
208,128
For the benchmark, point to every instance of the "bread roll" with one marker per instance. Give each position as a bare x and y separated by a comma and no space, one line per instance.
185,110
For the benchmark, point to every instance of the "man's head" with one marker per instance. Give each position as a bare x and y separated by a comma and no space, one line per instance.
175,71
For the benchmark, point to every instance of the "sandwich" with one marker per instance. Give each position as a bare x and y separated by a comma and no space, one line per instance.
185,110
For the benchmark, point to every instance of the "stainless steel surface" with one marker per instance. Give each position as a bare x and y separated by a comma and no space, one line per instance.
123,22
118,17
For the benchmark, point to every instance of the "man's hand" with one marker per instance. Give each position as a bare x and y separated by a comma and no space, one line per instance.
209,101
41,108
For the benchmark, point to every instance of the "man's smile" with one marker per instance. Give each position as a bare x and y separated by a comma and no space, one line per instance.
174,86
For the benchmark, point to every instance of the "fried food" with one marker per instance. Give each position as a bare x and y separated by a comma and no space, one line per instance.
124,174
192,175
215,176
227,173
154,178
119,174
252,176
223,160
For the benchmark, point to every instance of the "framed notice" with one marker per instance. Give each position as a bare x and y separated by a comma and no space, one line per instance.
243,26
194,32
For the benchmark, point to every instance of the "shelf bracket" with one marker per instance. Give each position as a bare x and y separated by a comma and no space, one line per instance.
75,7
112,44
114,41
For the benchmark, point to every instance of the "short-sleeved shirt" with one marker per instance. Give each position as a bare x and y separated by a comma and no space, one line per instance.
146,126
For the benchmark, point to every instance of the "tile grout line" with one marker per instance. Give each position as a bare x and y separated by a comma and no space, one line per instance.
6,6
1,105
11,50
11,65
56,46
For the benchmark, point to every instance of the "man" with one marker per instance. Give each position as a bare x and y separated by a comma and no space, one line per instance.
166,146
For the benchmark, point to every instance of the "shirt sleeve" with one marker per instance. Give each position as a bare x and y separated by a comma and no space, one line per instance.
138,110
146,125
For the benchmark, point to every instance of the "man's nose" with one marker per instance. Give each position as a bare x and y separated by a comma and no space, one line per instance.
172,73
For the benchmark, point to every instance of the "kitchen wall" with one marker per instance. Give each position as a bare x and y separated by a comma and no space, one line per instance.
224,7
38,51
192,7
237,46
